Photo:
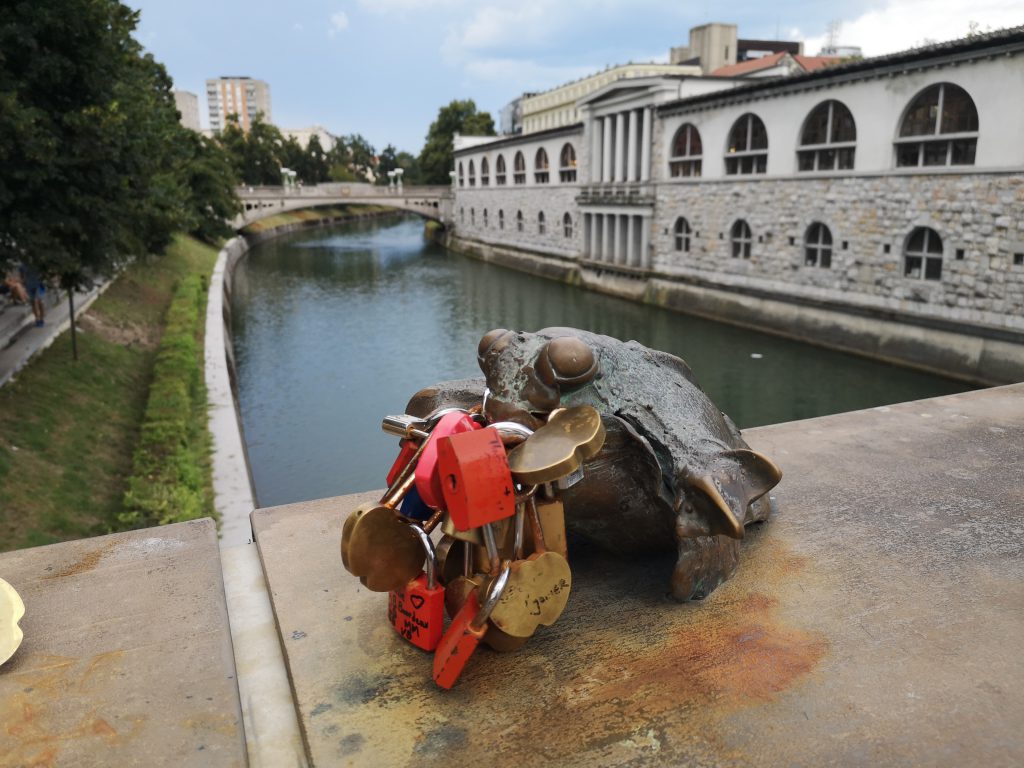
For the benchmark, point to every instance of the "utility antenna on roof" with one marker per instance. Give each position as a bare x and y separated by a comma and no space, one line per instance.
832,33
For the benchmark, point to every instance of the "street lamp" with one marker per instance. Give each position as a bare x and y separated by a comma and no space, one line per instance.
391,182
398,174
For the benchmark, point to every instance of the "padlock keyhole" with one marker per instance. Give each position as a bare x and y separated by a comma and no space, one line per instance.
452,483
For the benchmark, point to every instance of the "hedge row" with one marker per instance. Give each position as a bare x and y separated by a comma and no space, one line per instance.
169,481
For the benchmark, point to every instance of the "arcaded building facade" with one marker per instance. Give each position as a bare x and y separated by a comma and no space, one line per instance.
891,187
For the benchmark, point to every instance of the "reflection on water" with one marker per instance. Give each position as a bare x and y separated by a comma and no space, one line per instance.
336,327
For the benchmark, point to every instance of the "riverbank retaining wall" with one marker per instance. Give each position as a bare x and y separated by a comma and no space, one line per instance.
981,355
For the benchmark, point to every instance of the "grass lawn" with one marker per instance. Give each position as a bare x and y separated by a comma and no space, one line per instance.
68,430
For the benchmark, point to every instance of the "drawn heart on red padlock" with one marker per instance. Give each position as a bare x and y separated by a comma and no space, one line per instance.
417,601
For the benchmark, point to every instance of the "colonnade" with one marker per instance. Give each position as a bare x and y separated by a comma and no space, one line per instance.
622,239
621,146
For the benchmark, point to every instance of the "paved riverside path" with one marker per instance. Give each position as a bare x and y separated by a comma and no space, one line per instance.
876,620
21,340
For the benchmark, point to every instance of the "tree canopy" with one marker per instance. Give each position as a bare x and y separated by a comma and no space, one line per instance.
94,164
461,117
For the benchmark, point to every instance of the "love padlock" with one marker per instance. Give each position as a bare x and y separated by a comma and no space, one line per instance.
417,610
428,481
465,632
475,478
407,450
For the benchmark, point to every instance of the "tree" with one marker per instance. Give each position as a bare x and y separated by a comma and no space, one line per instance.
362,157
210,181
387,162
316,161
435,161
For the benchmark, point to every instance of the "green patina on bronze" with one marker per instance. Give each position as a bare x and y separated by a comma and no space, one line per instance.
674,471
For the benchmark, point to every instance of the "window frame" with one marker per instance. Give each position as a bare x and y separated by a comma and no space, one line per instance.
567,227
500,171
462,180
818,252
501,218
485,172
567,172
519,221
925,257
541,166
925,141
758,156
472,173
742,243
519,168
542,224
681,235
839,149
689,164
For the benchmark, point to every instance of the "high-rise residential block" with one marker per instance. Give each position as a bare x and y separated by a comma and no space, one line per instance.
188,108
242,96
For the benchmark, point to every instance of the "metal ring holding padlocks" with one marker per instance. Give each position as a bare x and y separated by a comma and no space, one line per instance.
493,597
433,418
428,545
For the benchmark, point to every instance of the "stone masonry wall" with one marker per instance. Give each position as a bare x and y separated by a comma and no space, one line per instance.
555,201
978,216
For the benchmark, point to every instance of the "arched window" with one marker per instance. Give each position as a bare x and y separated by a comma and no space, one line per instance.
922,255
519,168
540,167
485,172
828,139
472,216
686,152
541,224
747,152
741,239
818,246
462,180
462,215
499,171
940,127
485,218
682,235
519,221
472,174
567,225
501,219
567,164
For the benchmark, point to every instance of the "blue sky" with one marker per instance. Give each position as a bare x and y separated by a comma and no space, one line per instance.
382,68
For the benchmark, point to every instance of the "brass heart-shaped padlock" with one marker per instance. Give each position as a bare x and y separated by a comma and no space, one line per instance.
559,448
537,593
383,550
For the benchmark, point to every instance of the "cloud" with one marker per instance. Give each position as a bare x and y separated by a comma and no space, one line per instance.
902,24
297,27
339,23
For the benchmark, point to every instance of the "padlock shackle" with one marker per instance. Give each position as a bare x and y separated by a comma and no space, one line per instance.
493,597
428,545
512,431
539,545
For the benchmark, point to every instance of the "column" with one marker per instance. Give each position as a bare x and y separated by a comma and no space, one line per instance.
606,140
597,126
645,146
620,147
605,237
631,252
645,243
631,153
586,234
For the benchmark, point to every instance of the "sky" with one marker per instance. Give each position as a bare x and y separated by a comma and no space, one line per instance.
383,68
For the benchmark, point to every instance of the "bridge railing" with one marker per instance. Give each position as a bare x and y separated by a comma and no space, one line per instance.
335,190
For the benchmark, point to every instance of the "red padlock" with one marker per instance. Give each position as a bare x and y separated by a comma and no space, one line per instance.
475,478
417,610
466,631
428,481
408,450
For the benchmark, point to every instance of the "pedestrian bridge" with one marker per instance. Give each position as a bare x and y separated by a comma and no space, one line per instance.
430,202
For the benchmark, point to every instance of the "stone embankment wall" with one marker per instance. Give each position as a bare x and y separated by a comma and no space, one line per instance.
980,355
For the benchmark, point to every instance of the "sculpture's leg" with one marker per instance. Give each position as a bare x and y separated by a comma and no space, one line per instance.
704,563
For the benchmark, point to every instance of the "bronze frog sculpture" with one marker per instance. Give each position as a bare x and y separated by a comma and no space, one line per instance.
674,469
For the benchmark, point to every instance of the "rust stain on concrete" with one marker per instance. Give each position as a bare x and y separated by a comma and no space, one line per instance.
46,714
84,564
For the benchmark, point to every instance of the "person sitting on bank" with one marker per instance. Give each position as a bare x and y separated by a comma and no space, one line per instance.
36,291
12,285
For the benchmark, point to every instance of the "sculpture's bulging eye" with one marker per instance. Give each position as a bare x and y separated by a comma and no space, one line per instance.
566,361
492,341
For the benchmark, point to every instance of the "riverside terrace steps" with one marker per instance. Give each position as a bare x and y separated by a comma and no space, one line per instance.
127,655
876,619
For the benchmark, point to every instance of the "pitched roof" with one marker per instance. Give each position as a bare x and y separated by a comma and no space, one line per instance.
750,65
812,63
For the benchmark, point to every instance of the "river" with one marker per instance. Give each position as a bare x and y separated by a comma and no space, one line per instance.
336,327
